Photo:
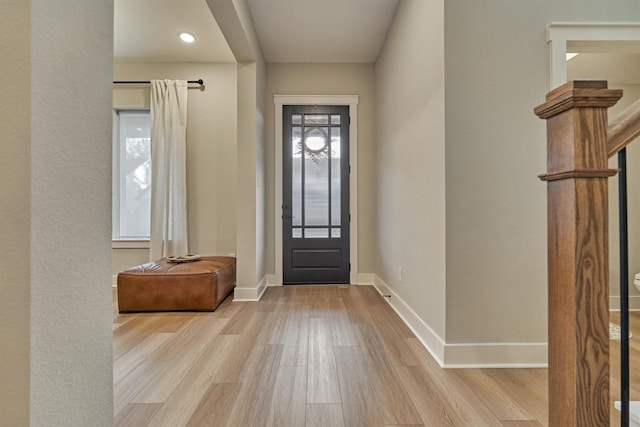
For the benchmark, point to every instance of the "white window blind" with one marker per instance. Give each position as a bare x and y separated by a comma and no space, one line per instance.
131,175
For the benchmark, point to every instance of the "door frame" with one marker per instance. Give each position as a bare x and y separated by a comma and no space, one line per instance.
559,33
352,102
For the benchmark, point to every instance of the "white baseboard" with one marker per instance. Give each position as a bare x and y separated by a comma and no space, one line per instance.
429,339
365,279
272,281
250,294
114,280
465,355
496,355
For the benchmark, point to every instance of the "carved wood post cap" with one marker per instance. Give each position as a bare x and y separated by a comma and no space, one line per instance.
576,115
578,93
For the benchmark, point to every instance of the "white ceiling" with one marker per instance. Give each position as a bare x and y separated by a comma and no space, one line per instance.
322,31
288,30
147,30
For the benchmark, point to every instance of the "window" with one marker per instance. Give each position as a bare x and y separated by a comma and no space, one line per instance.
131,175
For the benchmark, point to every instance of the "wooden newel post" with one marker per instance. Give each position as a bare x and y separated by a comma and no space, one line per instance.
577,175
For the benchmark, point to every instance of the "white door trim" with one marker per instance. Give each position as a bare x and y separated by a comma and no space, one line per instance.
352,102
558,33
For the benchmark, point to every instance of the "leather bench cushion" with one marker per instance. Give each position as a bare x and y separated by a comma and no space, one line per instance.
167,286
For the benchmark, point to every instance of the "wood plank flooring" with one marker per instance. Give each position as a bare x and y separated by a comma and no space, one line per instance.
309,356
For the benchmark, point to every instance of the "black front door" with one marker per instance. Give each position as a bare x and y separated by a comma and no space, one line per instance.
315,209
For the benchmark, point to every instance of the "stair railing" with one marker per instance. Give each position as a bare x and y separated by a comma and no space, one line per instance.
578,254
622,130
579,144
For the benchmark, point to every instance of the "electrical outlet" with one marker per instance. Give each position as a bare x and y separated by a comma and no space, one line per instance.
400,273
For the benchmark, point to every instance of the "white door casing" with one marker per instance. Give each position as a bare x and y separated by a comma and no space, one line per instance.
559,33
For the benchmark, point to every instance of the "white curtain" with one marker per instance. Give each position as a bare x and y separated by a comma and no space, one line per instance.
168,169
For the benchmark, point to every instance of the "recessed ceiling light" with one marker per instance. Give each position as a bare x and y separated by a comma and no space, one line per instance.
187,37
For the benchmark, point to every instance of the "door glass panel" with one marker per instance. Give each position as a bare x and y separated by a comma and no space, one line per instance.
296,175
316,119
335,119
296,233
335,176
296,119
316,179
335,233
315,140
316,233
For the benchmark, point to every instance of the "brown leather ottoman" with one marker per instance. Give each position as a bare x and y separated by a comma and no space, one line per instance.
168,286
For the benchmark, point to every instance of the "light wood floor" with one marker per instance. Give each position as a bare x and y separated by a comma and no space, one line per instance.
306,356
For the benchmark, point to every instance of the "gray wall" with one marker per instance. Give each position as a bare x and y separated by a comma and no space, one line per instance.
410,176
497,70
57,210
327,79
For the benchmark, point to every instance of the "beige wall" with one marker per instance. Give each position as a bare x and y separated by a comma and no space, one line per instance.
247,229
123,258
251,215
236,24
261,162
250,230
56,362
327,79
211,151
497,70
409,167
622,71
15,211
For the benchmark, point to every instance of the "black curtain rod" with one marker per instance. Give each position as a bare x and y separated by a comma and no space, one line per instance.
142,82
